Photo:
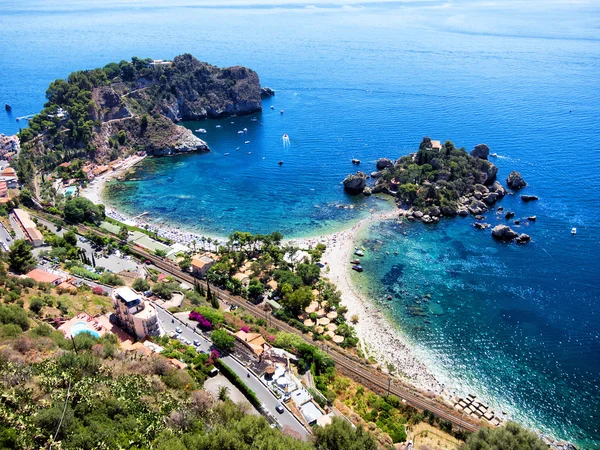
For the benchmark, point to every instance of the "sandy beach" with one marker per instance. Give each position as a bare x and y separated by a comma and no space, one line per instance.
378,337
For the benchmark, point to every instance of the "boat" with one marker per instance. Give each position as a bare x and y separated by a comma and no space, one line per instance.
358,268
200,130
280,163
494,155
355,261
226,154
356,161
359,253
573,230
249,153
7,107
240,132
218,126
237,149
245,130
281,111
254,119
247,142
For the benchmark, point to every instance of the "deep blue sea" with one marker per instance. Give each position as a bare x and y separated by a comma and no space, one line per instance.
519,326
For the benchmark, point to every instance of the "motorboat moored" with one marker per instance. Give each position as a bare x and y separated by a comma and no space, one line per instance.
573,230
358,268
200,130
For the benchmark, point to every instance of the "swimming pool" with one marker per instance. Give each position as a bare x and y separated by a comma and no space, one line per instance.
81,327
70,190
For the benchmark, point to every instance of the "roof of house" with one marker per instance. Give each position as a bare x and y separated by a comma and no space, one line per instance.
310,412
35,234
41,276
436,145
65,164
241,276
177,363
3,188
23,217
199,263
127,294
272,284
8,172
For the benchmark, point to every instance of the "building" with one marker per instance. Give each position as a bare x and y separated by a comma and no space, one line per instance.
9,175
29,229
254,341
3,189
41,276
137,315
436,145
160,62
242,278
200,266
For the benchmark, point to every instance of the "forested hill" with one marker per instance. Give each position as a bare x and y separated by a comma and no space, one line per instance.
124,107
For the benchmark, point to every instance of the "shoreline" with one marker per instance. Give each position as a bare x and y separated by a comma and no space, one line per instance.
379,337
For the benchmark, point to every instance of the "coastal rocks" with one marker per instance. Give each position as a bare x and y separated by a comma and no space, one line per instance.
108,105
497,189
479,217
463,212
509,215
480,151
430,219
188,142
375,175
418,214
523,238
267,92
367,191
356,161
477,207
450,211
503,233
491,198
355,184
515,180
529,198
481,225
384,163
532,218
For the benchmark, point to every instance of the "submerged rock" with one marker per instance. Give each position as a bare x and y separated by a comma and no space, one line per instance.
509,215
503,233
481,225
515,180
523,239
267,92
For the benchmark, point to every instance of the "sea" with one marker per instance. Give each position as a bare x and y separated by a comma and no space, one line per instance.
519,326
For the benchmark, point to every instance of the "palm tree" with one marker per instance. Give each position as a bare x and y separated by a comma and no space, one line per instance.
223,393
203,239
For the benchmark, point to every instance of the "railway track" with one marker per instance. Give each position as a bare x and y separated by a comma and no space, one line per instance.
348,365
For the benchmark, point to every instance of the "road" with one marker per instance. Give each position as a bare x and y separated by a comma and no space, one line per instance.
169,322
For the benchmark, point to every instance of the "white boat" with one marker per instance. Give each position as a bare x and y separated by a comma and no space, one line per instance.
254,119
494,155
245,130
200,130
272,107
573,230
247,142
218,126
281,112
249,153
240,132
226,154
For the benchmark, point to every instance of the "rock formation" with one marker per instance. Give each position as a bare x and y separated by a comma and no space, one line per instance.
503,233
383,163
267,92
529,198
480,151
515,180
523,238
355,184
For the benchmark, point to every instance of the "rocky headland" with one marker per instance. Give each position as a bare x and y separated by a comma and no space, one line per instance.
126,107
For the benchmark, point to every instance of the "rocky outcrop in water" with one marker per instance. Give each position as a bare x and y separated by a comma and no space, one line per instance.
529,198
523,238
355,184
515,180
504,233
383,163
480,151
267,92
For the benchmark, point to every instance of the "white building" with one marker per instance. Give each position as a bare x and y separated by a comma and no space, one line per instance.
137,315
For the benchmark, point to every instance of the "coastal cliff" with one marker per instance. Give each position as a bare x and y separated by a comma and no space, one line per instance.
100,115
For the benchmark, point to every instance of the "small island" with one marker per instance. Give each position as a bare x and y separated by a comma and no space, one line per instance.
440,180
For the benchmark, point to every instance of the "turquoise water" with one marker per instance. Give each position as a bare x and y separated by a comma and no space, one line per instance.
369,80
81,327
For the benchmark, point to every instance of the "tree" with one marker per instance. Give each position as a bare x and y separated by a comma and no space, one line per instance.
299,299
308,272
185,263
14,314
223,393
70,238
340,435
162,290
140,285
223,340
511,436
36,304
20,258
160,252
255,288
81,209
123,233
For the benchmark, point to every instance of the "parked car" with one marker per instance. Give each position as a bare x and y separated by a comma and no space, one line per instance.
279,408
196,342
178,330
172,334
